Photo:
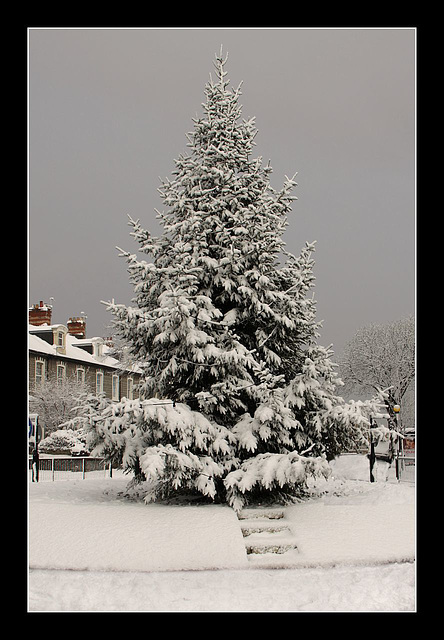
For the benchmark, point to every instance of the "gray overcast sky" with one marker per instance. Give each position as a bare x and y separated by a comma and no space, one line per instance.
108,113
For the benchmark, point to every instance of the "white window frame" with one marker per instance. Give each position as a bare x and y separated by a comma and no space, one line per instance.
130,389
115,387
39,379
99,382
61,372
80,374
97,349
60,339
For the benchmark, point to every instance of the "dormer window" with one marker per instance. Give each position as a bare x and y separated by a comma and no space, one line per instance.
97,349
59,338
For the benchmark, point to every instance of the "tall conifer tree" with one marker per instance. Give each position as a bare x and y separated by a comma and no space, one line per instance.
235,390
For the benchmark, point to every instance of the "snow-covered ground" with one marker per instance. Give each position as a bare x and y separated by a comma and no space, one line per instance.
91,549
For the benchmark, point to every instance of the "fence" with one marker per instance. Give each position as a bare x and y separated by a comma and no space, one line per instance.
61,468
405,468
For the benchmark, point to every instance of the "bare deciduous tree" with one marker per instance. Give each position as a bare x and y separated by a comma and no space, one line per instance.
54,401
381,357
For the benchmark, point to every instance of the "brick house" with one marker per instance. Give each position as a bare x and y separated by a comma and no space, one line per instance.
58,351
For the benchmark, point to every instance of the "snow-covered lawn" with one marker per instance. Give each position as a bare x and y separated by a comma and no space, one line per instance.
338,589
90,549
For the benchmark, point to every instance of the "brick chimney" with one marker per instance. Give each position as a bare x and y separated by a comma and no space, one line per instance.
77,327
40,314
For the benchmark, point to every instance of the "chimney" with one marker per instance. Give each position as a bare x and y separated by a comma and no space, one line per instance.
77,327
40,314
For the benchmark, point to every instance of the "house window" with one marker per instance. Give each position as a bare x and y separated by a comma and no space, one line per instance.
130,389
60,373
80,373
60,338
39,372
97,349
115,387
99,382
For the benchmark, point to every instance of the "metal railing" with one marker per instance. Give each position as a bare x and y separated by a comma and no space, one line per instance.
405,468
66,468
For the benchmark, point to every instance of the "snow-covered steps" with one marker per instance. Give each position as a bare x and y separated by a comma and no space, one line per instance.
267,514
269,548
266,536
248,530
269,541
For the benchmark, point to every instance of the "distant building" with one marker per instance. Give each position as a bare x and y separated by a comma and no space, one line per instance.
59,351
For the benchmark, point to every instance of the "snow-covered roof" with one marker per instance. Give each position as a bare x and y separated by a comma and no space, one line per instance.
40,327
73,348
73,351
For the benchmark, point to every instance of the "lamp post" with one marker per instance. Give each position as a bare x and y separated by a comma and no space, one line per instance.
35,453
372,456
396,410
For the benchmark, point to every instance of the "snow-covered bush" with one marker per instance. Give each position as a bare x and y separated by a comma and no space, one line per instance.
65,441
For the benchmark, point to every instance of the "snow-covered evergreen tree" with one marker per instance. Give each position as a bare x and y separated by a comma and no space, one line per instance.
236,393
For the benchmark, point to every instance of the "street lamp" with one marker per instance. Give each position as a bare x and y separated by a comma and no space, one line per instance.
372,456
396,410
